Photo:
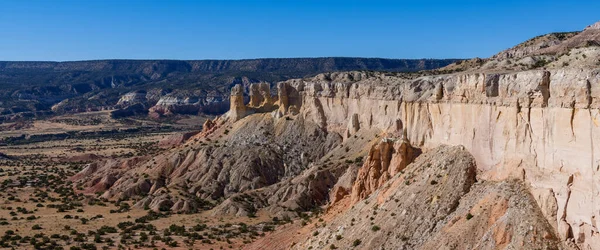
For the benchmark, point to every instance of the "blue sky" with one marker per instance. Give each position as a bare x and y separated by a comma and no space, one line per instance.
110,29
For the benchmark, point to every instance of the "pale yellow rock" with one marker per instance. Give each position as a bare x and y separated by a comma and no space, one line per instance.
538,125
237,109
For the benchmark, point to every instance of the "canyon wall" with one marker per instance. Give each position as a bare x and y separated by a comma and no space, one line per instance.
540,126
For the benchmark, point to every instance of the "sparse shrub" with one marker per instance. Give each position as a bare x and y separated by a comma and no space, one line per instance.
469,216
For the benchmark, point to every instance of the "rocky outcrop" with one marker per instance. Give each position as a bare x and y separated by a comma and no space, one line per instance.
101,176
385,159
535,125
132,98
226,160
177,139
353,126
208,125
237,108
588,37
260,96
169,105
529,134
532,46
191,105
261,101
343,186
100,84
436,204
60,105
595,26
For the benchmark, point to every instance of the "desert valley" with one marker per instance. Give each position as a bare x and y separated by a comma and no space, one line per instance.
308,153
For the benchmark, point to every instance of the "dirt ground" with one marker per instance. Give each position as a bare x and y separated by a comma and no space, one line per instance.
40,208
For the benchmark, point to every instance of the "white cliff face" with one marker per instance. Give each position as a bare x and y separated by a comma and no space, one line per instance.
132,98
539,126
173,100
170,104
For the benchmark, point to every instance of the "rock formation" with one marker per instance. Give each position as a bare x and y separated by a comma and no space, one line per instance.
252,155
132,98
435,203
260,96
189,104
385,160
177,139
261,101
289,99
353,126
538,122
82,86
237,108
529,131
532,125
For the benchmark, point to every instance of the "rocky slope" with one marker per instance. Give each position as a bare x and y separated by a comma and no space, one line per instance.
531,125
524,175
437,204
536,125
554,50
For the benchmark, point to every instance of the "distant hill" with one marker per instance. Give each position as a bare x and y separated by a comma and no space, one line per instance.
32,88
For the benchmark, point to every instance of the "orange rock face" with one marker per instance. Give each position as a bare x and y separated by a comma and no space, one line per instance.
385,159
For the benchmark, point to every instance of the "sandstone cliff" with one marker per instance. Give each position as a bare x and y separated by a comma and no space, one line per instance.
29,89
385,160
538,125
350,139
436,204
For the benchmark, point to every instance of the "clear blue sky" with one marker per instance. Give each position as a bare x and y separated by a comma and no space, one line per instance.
117,29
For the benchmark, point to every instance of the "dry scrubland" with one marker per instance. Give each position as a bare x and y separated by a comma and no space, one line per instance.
493,153
41,208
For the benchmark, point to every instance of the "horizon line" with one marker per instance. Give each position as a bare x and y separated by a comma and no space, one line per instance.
241,59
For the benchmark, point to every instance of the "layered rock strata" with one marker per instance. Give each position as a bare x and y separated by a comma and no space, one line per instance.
261,101
540,126
437,204
385,160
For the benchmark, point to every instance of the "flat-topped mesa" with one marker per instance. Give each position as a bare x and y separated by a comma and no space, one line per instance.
534,88
349,101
